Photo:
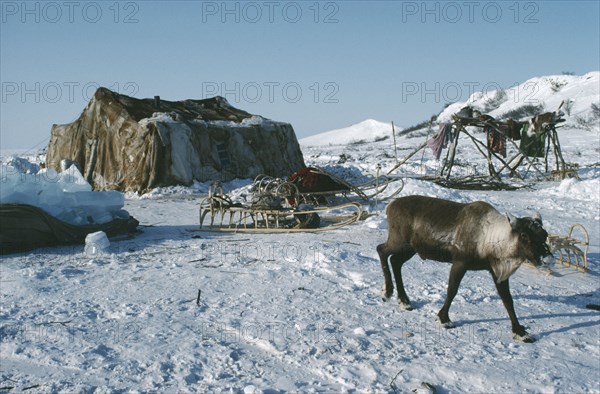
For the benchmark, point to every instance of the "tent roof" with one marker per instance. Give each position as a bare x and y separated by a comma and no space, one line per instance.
214,108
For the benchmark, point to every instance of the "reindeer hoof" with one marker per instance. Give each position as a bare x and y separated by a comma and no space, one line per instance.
447,323
521,334
385,295
525,337
406,306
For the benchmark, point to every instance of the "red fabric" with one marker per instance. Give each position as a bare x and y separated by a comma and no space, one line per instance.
312,180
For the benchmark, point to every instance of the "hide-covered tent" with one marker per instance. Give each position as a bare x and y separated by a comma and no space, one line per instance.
128,144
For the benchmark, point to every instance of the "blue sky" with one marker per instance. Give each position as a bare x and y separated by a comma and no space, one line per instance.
318,65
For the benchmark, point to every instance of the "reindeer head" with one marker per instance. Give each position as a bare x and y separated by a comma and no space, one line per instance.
531,239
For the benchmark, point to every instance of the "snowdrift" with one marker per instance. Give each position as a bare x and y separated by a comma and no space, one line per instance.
49,208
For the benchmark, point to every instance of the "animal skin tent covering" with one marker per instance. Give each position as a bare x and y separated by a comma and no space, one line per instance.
128,144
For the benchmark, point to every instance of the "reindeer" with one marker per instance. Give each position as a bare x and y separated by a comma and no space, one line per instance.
471,236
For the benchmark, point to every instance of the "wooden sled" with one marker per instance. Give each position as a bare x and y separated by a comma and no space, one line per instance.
225,215
277,187
566,246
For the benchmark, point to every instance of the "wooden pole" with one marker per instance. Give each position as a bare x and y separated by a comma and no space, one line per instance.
459,127
523,157
488,149
491,168
505,163
395,149
407,157
426,140
558,149
548,144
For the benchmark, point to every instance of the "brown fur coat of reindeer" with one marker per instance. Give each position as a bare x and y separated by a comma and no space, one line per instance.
472,236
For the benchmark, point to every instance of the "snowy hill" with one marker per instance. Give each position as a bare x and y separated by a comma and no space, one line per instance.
537,95
367,131
534,96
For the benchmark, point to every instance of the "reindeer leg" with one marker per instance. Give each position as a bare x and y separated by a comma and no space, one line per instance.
518,330
388,287
397,260
457,272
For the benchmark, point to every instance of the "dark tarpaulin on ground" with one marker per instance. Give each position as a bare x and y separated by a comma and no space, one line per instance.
25,227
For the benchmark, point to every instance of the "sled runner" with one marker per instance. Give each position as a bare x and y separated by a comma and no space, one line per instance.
310,200
271,212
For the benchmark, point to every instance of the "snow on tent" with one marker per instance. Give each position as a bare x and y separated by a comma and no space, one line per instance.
128,144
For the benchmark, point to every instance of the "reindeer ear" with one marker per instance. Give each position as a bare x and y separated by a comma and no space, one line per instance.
537,217
512,220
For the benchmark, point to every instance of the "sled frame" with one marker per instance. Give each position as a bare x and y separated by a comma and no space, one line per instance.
567,246
226,215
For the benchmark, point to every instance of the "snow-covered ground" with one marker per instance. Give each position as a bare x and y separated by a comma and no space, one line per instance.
302,312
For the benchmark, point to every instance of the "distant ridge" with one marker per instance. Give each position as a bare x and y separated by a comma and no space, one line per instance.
536,95
366,131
